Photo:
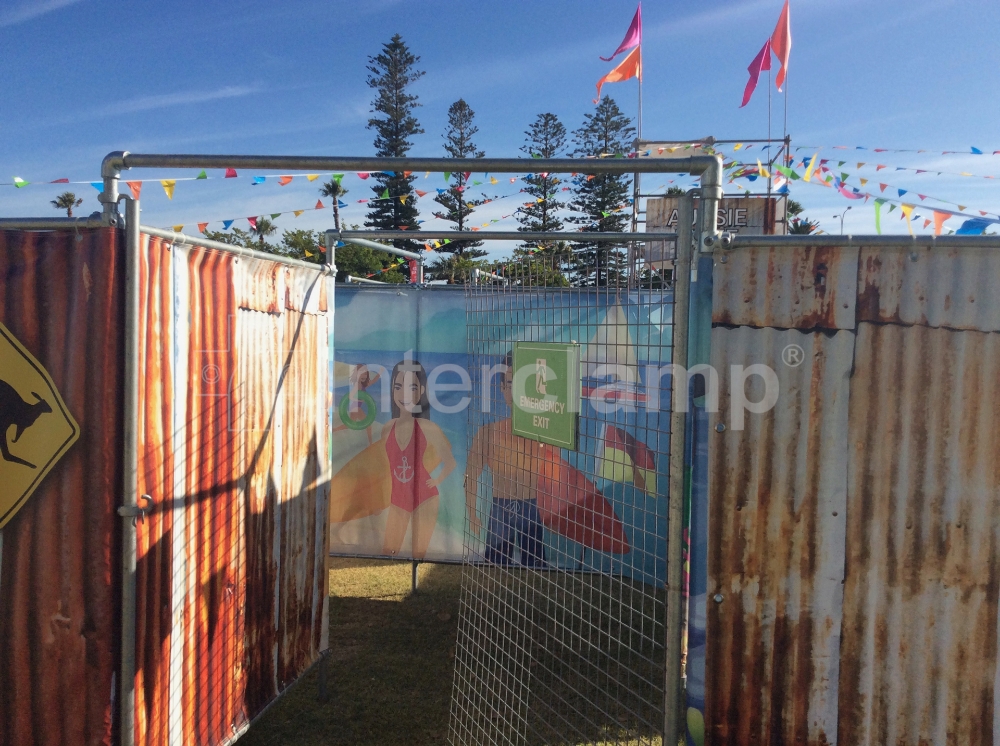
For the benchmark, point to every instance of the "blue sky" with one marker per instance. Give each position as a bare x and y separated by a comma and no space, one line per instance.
84,77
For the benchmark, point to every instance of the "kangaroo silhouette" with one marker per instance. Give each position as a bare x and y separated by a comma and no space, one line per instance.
21,414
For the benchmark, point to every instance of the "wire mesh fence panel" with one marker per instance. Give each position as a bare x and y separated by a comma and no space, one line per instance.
561,634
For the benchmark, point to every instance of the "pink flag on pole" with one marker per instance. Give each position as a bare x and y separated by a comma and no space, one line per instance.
633,37
781,44
760,63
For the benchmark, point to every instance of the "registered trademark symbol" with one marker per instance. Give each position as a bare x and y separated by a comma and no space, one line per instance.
793,355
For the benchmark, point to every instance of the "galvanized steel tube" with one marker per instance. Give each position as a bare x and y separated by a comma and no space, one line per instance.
588,236
696,165
51,224
675,505
130,469
356,238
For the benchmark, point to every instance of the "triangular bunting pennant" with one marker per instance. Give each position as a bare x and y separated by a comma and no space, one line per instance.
313,177
230,173
168,187
135,187
178,228
202,227
319,204
296,213
253,223
284,180
227,224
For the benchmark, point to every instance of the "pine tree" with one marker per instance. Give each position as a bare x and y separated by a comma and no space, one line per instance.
546,138
392,72
601,197
457,203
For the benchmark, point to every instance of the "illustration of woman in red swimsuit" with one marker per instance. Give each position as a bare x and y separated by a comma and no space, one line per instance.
415,447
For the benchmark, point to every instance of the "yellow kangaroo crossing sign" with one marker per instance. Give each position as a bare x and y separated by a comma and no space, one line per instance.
36,428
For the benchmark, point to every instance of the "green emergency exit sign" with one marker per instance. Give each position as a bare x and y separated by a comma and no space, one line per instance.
546,392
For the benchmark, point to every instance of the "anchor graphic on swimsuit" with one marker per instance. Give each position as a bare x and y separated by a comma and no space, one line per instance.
404,472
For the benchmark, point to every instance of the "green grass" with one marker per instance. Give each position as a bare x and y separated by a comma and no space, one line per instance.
392,657
390,666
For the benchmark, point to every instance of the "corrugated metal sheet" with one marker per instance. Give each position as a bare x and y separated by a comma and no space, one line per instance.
919,651
59,575
954,288
809,288
238,495
900,502
775,566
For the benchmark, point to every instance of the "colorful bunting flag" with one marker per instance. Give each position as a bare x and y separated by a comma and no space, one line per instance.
384,195
135,187
60,181
878,215
760,63
168,187
313,177
201,175
253,223
275,215
227,224
420,193
633,37
907,212
341,204
319,204
258,180
98,185
284,180
202,227
178,229
230,173
628,68
296,213
781,45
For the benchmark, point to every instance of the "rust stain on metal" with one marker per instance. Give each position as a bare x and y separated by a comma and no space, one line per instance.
952,288
919,650
777,507
808,288
59,580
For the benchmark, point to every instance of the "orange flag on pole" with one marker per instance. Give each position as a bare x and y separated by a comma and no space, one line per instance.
781,44
628,68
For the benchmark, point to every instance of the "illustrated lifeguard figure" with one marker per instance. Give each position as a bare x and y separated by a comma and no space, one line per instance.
397,471
515,465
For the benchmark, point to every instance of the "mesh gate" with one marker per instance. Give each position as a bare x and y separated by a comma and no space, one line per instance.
561,636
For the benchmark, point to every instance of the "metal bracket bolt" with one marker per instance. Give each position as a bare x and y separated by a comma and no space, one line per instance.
137,512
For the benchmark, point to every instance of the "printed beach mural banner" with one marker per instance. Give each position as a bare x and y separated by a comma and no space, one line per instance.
398,487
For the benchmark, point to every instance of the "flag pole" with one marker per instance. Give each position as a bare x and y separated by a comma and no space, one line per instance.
768,159
635,178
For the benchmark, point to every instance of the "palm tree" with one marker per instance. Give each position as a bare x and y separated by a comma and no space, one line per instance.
802,227
334,191
67,201
262,230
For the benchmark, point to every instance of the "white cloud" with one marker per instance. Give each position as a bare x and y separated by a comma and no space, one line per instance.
31,10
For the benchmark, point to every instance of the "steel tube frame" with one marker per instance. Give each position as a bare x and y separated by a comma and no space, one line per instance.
675,497
130,470
50,224
730,242
180,238
594,237
358,239
363,281
708,167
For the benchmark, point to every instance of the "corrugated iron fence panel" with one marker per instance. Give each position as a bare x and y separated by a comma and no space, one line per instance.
61,296
777,512
919,651
903,507
239,475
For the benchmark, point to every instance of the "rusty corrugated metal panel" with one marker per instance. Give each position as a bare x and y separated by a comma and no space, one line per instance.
213,696
257,285
59,574
306,491
809,288
156,469
919,654
305,291
235,418
777,511
260,424
953,288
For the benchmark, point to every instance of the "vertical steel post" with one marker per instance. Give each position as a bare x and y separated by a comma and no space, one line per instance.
675,506
130,468
413,580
